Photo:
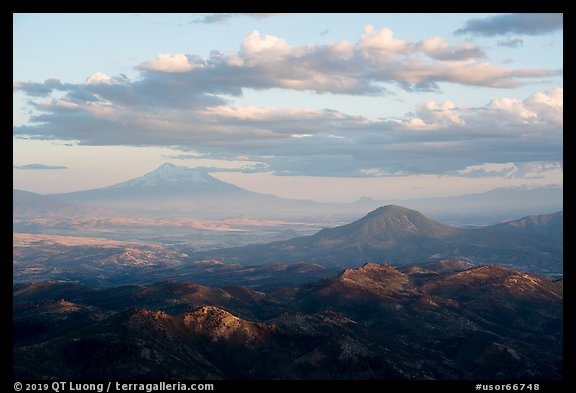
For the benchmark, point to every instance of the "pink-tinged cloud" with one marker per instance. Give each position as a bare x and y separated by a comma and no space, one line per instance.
185,101
268,61
165,62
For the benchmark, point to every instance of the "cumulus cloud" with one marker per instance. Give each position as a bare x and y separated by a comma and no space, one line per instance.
185,102
266,61
431,115
271,46
541,109
541,112
380,45
165,62
39,167
528,24
100,78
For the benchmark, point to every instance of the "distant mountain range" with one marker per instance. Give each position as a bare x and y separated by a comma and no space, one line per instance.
29,204
397,235
549,227
172,189
445,320
500,204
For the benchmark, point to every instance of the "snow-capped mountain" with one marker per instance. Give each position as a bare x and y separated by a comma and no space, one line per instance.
175,178
166,187
175,189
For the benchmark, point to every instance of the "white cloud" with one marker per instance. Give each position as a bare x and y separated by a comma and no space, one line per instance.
269,45
268,61
379,45
259,113
439,49
511,110
379,172
541,110
541,170
466,72
432,115
372,172
165,62
548,105
416,124
182,100
507,169
100,77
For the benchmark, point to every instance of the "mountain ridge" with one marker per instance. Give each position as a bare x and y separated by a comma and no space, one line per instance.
550,225
399,235
373,322
29,204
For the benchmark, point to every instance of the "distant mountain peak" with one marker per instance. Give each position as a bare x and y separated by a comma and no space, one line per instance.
167,165
366,200
173,169
172,177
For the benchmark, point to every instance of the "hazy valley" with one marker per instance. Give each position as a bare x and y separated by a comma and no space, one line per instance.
178,205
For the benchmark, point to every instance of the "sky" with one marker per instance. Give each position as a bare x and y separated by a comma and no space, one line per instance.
330,107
